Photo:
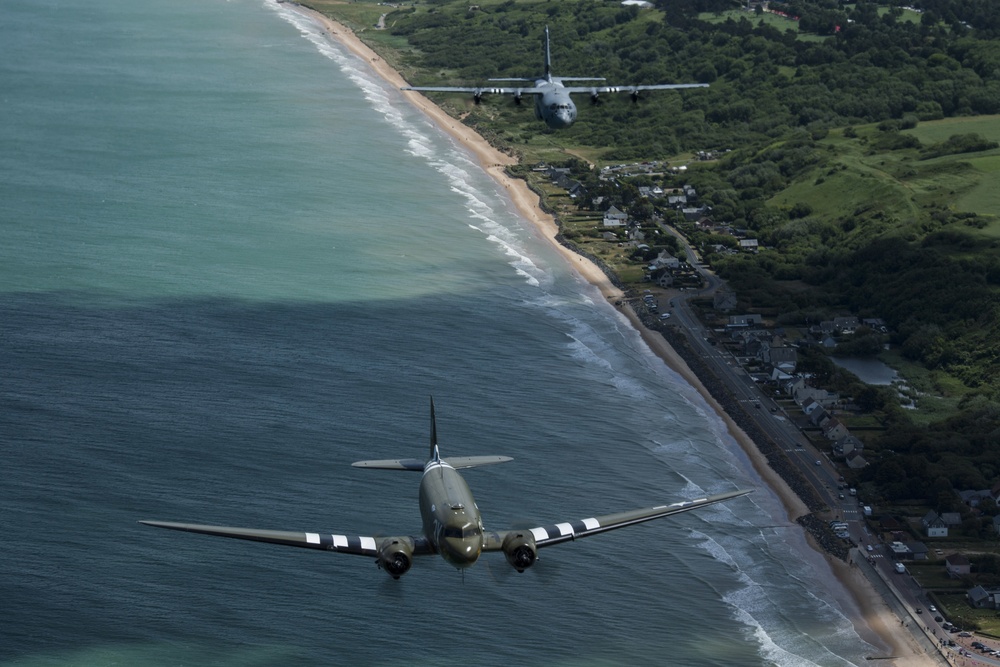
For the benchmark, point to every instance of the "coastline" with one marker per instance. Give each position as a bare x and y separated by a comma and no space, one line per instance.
871,616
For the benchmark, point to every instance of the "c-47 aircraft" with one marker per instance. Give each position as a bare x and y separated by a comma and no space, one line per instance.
452,525
552,98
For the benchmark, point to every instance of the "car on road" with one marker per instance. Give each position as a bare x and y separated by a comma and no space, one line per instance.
964,634
932,608
938,619
869,548
818,462
841,496
919,610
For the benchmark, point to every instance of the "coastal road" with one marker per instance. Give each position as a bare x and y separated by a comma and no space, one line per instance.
760,406
901,593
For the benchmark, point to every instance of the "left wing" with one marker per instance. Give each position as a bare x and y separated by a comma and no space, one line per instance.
545,536
348,544
596,90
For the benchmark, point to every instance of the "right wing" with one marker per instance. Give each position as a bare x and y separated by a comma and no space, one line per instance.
545,536
347,544
595,90
478,91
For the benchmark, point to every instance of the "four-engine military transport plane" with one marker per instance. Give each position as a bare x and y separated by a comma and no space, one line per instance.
552,98
452,526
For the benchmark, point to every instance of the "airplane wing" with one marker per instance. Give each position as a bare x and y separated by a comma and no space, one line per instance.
347,544
597,90
573,530
478,91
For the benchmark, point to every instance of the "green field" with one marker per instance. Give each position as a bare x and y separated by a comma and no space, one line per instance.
899,182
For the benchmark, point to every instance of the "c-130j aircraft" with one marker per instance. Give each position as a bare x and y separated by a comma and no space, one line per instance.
552,98
452,525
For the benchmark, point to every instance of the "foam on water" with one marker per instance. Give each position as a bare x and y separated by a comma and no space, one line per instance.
462,173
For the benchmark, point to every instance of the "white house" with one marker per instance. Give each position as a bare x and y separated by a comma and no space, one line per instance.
614,217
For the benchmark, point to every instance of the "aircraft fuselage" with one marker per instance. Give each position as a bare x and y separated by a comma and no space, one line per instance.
554,105
451,520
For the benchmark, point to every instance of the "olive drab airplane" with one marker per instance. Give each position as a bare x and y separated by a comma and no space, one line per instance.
452,525
552,98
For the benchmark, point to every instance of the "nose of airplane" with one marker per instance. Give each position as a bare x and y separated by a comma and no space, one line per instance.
564,117
461,552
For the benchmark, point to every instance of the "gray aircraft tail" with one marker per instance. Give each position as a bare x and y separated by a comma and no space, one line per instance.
548,56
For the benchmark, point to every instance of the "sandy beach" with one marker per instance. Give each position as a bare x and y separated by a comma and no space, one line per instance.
870,614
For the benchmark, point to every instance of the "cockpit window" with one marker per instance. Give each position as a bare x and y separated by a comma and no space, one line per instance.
463,532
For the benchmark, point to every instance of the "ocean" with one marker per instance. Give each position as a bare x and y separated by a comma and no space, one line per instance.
233,261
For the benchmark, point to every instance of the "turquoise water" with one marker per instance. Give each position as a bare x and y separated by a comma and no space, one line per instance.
233,262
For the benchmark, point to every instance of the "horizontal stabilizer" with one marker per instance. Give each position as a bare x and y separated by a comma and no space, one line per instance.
392,464
458,462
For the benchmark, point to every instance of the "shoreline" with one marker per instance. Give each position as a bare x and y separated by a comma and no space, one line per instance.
863,605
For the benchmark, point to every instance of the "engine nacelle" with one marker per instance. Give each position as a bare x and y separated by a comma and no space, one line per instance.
520,550
395,557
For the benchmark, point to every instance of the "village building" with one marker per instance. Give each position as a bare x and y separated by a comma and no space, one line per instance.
724,300
781,357
934,525
834,429
744,320
909,550
957,566
614,217
984,598
973,498
855,461
847,445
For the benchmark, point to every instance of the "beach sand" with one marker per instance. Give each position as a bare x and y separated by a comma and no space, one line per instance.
871,616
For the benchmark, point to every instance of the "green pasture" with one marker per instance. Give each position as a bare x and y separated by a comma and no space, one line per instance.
935,131
778,22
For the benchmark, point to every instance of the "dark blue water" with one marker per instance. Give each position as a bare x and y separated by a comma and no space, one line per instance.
233,262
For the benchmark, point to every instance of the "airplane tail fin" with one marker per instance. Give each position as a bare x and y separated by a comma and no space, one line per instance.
434,455
417,465
548,56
